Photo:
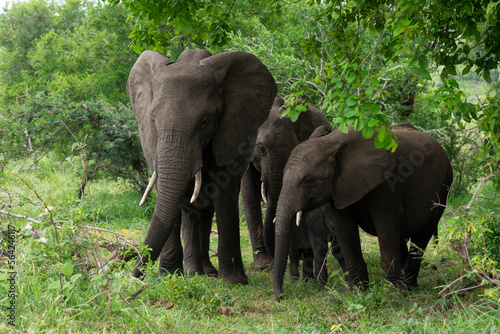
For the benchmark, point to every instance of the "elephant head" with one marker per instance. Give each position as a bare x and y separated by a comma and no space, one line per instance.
388,194
199,106
276,138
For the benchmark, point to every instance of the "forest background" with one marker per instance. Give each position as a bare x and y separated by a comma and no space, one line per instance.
72,170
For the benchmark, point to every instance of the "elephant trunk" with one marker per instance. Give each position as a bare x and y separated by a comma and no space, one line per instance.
285,214
273,193
174,168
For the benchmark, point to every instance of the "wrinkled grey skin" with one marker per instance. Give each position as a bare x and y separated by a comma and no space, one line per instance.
200,112
390,195
276,138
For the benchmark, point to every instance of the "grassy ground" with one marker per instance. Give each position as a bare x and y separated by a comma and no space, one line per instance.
59,289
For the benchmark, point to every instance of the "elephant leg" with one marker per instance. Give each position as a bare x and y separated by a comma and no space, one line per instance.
330,231
191,239
205,230
346,229
294,258
250,200
307,264
300,248
404,250
171,253
229,249
418,244
386,212
320,254
337,253
317,232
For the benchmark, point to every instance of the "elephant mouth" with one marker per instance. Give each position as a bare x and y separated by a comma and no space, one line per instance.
154,178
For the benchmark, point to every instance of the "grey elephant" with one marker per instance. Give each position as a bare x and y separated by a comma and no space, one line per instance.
396,196
198,119
276,138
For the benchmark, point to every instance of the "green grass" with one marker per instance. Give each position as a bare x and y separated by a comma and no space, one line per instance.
90,302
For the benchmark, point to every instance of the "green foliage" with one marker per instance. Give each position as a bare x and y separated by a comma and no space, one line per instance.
65,88
337,52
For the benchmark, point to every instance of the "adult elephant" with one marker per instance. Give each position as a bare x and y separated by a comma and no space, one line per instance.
198,119
395,196
276,138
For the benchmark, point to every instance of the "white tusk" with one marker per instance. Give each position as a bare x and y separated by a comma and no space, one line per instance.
274,220
299,217
263,192
197,186
149,188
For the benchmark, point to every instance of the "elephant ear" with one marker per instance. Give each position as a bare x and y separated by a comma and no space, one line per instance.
248,91
321,131
193,56
308,121
359,167
141,95
140,80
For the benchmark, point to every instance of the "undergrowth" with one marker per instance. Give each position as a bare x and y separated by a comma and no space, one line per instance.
65,283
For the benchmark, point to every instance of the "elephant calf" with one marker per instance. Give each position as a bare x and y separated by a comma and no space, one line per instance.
395,196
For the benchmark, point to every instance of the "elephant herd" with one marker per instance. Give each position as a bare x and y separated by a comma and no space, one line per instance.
211,128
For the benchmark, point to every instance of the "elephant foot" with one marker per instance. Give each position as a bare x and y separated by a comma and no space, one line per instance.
209,269
234,278
262,260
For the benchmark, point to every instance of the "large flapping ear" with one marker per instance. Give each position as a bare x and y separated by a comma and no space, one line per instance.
359,166
140,91
249,90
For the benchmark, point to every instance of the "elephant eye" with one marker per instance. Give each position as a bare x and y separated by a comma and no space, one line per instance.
309,181
203,121
262,150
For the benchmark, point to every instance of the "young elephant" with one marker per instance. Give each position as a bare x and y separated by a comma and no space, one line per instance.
276,138
310,242
395,196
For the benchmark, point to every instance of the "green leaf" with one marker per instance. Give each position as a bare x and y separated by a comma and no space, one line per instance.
372,122
487,76
351,77
381,134
369,91
54,285
67,269
75,277
351,101
368,131
116,305
343,127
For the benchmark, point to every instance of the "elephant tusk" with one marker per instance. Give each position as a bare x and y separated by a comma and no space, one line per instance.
274,220
298,218
263,192
197,186
149,188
